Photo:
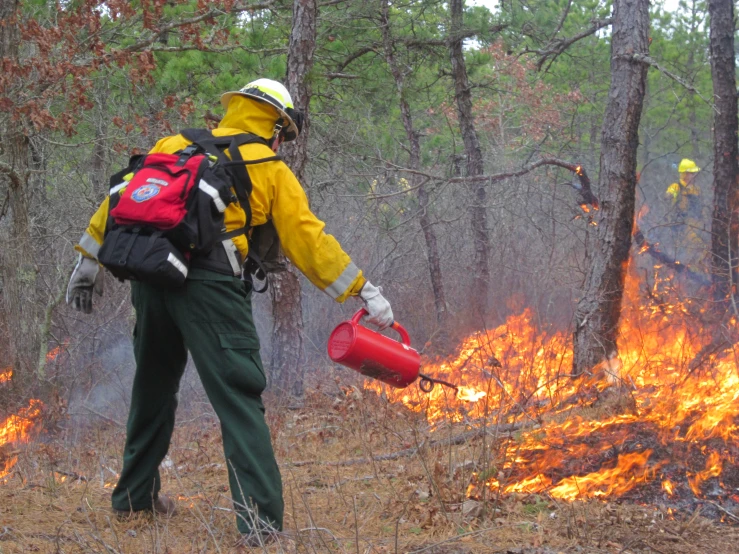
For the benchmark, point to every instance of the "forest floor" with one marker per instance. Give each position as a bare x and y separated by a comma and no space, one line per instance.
355,481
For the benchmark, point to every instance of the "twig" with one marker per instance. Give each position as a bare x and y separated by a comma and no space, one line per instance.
106,418
555,47
451,539
356,523
76,476
727,512
652,62
584,187
208,14
458,439
651,249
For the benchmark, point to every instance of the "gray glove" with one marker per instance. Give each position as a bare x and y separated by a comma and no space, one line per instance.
380,313
86,277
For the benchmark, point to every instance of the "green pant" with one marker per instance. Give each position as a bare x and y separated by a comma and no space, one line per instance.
211,317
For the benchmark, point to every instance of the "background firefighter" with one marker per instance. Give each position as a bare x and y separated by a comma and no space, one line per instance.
687,218
211,317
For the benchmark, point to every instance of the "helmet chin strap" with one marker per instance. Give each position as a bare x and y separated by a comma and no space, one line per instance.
276,141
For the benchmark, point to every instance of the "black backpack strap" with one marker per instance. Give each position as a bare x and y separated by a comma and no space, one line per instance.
198,136
236,166
133,164
240,178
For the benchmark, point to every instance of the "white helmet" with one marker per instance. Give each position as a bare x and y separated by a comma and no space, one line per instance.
275,94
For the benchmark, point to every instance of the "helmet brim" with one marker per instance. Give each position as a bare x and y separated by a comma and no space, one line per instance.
292,129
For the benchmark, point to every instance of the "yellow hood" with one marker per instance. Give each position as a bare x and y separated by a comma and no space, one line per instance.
251,116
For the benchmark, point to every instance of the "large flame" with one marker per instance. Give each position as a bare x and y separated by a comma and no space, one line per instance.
17,428
649,416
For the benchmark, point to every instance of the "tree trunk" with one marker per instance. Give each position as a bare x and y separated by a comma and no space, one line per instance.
287,309
599,308
473,153
414,142
723,73
17,266
690,67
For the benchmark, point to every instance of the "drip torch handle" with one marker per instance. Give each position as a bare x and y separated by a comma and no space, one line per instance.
405,338
359,315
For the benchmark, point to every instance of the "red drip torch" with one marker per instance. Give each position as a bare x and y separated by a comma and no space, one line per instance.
378,356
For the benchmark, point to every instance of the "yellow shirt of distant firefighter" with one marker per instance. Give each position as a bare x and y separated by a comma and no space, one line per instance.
679,192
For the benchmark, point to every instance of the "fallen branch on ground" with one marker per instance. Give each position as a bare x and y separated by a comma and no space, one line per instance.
651,249
455,440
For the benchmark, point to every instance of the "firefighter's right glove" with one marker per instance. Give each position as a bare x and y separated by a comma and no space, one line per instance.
86,277
380,313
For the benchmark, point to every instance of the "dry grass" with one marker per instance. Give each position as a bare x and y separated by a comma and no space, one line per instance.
413,503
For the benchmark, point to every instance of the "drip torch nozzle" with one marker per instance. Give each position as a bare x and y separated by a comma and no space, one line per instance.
426,384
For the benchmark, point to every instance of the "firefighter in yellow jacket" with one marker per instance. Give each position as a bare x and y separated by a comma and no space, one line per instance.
211,318
685,194
686,216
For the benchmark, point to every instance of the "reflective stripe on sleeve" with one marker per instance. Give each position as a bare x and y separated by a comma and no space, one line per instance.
116,188
233,256
343,282
213,193
182,268
89,245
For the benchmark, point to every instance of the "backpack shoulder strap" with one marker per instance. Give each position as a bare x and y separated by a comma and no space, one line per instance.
239,176
236,167
198,136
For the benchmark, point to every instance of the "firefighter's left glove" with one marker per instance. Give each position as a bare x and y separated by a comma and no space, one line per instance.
86,277
380,312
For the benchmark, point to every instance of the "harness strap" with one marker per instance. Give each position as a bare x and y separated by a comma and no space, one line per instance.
236,167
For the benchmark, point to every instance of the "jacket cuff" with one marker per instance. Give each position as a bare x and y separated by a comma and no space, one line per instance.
88,246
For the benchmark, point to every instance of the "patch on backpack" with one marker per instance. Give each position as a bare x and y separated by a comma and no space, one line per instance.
144,193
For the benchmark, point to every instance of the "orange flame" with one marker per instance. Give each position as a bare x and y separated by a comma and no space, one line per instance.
6,375
713,469
469,394
517,376
668,486
17,428
54,352
7,465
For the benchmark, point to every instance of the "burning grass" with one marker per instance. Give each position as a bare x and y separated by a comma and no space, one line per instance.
361,474
662,417
15,430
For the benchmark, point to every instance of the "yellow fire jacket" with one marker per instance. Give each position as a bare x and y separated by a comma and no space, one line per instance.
276,195
684,197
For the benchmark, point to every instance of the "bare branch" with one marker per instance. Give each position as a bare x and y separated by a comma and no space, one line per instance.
555,47
341,76
359,53
268,51
583,187
411,43
648,248
653,63
469,33
211,13
562,19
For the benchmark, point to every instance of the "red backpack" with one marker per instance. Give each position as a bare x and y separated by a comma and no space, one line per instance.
166,208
